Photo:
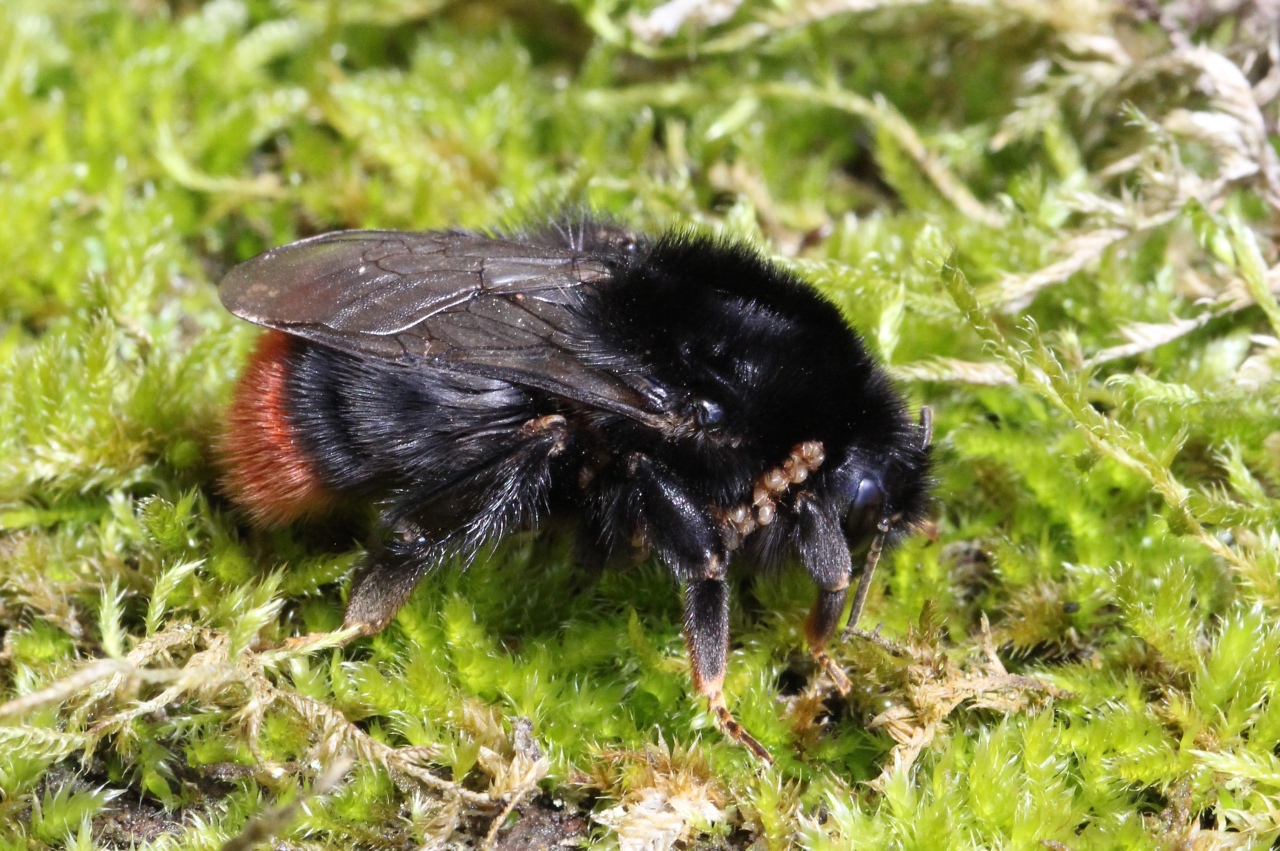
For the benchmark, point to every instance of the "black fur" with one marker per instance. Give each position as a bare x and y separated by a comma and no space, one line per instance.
703,319
661,380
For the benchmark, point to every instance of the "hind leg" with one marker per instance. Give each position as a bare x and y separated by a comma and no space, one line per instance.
499,496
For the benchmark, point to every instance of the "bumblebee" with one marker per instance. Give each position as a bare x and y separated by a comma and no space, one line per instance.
680,394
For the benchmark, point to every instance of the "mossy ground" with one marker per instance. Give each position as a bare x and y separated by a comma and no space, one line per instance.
1055,220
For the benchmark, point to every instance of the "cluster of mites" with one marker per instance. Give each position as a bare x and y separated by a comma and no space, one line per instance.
742,520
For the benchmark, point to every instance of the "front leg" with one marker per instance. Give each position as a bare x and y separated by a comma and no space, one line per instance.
825,555
820,626
684,535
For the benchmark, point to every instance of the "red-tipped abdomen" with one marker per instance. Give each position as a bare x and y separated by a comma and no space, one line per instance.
267,469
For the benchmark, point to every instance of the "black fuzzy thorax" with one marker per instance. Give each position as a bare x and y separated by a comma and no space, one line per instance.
718,320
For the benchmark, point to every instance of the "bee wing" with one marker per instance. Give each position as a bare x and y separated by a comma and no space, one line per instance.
488,306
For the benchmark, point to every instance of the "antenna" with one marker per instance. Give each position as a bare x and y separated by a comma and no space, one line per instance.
864,584
882,529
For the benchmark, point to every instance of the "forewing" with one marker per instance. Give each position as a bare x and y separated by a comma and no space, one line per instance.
453,299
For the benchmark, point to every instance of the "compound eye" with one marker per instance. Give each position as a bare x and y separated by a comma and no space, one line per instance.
707,413
864,513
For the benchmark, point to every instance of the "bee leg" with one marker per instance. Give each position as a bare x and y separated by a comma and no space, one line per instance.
706,630
384,582
820,626
684,536
825,555
502,494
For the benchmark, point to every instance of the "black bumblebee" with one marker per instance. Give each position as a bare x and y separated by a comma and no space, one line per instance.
678,394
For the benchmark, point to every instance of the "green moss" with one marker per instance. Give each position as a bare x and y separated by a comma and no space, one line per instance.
1055,226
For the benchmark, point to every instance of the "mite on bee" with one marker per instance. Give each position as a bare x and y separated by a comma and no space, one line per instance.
680,393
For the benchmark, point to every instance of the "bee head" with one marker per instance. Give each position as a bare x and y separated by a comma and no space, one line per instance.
886,497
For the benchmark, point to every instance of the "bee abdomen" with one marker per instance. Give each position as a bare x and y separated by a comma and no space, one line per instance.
267,469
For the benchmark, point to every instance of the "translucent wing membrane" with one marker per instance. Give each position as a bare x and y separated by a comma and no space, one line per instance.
496,307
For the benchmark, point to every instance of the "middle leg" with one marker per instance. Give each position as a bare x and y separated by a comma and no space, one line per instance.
706,631
681,531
